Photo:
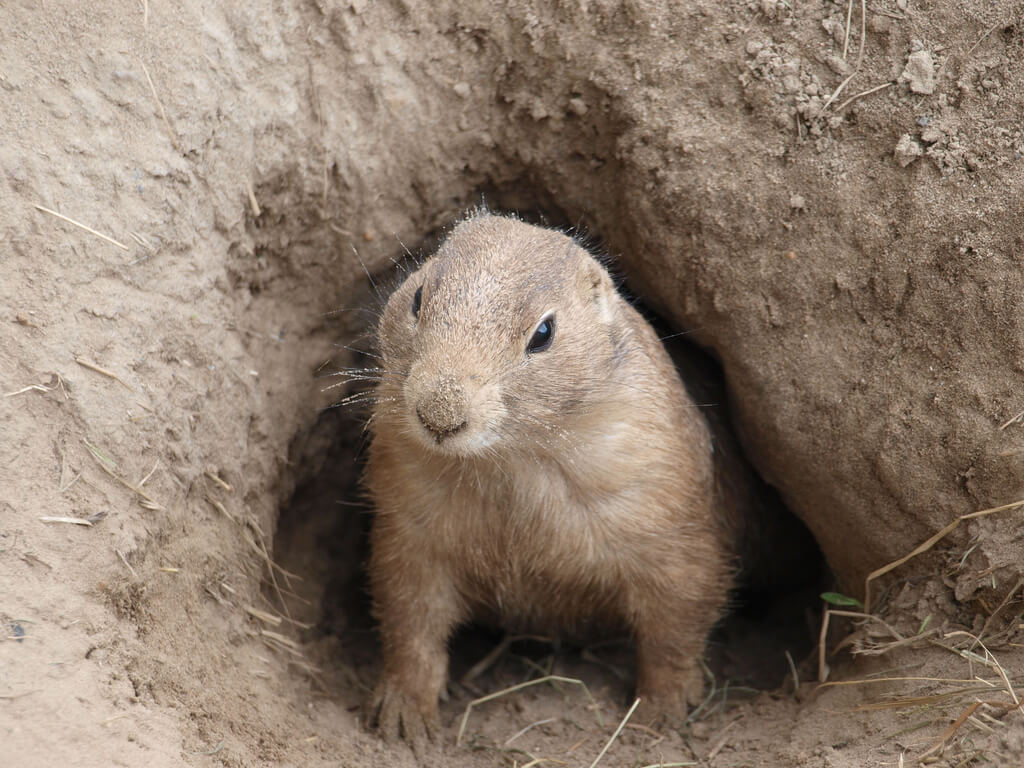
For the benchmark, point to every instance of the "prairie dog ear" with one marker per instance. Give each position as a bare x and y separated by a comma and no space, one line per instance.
599,288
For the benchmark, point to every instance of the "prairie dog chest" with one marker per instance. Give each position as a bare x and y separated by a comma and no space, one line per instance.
534,550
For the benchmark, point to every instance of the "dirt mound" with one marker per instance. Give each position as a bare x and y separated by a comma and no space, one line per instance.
831,204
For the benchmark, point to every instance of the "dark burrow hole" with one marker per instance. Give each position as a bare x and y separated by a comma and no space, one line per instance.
322,536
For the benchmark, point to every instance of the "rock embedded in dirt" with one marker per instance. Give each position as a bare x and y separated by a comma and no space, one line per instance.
919,73
931,134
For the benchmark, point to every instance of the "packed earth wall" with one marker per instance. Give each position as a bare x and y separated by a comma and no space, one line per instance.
828,196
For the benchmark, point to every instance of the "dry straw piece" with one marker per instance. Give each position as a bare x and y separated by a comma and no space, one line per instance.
93,367
68,520
80,225
951,730
615,735
160,105
860,52
146,501
513,689
931,542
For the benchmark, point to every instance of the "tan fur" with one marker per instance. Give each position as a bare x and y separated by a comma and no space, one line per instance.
558,490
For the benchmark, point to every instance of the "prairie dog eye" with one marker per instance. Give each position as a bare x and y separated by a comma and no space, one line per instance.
543,336
417,299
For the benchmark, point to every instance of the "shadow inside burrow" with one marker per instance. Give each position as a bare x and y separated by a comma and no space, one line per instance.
323,530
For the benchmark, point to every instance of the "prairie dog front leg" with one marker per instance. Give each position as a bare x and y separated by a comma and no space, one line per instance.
417,606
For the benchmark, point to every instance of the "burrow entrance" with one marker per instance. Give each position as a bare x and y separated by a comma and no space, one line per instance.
322,536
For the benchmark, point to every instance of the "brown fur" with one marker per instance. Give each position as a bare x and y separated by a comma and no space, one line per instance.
552,490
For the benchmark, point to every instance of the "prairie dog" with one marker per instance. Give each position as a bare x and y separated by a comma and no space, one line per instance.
535,461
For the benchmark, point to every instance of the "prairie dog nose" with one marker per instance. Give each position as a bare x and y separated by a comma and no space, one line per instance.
443,408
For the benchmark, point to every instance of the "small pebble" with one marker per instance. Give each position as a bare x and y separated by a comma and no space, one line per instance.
907,150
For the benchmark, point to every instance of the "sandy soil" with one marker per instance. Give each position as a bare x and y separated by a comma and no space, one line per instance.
852,257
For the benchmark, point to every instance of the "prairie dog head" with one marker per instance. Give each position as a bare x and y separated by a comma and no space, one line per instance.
507,333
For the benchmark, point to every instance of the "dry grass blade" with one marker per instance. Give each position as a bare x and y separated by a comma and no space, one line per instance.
928,544
989,660
823,635
99,454
792,671
220,508
141,240
496,653
722,739
615,735
217,479
260,548
513,689
218,597
931,700
1011,420
950,731
279,638
160,106
528,728
149,474
880,649
990,30
102,461
253,202
266,618
1009,596
127,564
30,388
983,726
846,35
68,520
93,367
862,94
80,225
279,641
860,56
896,680
712,695
485,663
646,729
